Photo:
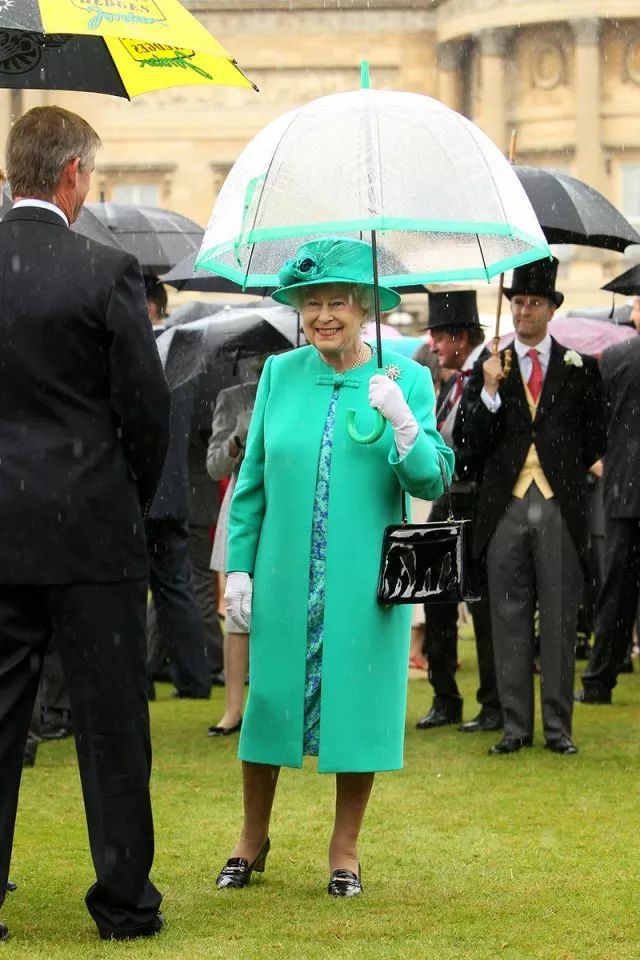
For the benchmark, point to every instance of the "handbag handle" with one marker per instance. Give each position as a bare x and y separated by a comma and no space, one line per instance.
446,492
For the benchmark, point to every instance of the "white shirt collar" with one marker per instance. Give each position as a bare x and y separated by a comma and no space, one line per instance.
543,348
43,204
473,356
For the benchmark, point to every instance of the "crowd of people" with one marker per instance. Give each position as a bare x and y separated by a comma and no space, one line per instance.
126,515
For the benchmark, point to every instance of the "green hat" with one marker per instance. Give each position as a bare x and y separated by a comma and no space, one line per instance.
331,260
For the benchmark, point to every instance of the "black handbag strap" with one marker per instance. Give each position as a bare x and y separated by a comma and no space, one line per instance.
446,493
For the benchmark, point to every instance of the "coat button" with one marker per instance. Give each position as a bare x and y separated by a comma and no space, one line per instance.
339,379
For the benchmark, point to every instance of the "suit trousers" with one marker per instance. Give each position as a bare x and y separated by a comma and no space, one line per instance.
441,634
531,559
617,604
100,630
205,589
178,614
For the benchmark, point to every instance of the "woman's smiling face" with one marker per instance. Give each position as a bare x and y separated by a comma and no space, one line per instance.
332,317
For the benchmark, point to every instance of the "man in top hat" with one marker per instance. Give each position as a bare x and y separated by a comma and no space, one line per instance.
458,341
540,429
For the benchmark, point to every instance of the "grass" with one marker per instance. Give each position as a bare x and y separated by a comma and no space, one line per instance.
465,856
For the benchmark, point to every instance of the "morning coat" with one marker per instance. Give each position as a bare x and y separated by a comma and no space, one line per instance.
365,653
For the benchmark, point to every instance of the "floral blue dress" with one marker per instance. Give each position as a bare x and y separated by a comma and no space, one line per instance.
315,615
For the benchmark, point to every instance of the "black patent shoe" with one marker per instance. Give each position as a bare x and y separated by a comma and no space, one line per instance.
237,871
4,931
224,731
11,886
510,745
440,716
563,745
485,721
345,883
592,695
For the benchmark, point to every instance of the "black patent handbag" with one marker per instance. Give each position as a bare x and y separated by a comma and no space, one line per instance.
428,562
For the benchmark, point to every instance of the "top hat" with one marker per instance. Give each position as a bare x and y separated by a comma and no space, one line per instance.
453,309
537,278
331,260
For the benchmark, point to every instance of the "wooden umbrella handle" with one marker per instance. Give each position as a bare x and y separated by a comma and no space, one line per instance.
508,354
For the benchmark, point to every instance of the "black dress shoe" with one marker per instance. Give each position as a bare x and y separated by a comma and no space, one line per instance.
150,930
440,717
223,731
484,721
217,679
237,871
55,731
561,745
627,666
345,883
4,931
592,696
11,886
510,744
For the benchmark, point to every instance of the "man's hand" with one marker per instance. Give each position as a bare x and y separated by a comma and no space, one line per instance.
597,468
492,371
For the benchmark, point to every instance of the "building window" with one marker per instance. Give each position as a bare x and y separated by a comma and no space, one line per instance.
141,194
631,192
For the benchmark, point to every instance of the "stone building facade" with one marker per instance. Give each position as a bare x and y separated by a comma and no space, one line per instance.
567,82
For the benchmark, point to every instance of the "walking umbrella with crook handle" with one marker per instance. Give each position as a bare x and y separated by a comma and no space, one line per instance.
434,195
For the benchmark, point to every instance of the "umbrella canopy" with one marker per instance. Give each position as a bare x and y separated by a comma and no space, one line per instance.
157,237
571,211
583,334
87,223
627,283
184,276
192,349
446,202
619,315
122,49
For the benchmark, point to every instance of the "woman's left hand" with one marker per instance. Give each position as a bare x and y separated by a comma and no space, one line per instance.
387,397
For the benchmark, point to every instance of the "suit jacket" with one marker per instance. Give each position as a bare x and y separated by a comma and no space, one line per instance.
231,403
568,432
620,368
83,406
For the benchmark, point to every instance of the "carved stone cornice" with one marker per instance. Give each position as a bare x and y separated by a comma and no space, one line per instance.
493,43
586,31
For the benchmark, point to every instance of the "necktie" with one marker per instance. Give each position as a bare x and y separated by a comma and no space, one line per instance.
535,377
456,393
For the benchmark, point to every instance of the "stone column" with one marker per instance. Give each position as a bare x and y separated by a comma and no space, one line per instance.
492,102
588,150
450,78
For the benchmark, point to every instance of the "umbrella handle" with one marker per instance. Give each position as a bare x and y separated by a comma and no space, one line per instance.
375,434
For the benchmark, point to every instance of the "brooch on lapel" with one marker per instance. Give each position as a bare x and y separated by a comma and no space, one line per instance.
392,371
573,359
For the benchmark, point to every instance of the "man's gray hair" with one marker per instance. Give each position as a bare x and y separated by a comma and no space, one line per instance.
41,143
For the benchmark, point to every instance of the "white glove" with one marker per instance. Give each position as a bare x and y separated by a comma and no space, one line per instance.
237,597
387,397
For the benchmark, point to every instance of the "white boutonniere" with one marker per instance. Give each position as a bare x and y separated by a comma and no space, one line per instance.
573,359
392,371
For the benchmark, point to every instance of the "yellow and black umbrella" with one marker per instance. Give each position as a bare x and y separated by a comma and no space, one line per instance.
119,47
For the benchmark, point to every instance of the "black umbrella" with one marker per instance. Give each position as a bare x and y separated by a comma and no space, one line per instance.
87,224
157,237
627,283
570,211
184,276
206,345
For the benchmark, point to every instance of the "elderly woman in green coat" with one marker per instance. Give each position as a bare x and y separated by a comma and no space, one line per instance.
328,664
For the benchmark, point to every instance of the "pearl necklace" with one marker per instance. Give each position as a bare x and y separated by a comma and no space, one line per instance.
363,356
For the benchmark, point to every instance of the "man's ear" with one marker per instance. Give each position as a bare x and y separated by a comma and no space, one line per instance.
70,171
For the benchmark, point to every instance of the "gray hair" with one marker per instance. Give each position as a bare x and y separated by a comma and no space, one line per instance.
362,295
39,146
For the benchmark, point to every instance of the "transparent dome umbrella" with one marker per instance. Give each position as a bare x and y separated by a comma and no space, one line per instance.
435,196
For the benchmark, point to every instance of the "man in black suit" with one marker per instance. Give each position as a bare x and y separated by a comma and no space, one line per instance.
618,598
458,341
83,434
540,429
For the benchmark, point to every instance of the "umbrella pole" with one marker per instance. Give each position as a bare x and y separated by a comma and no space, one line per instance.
380,423
508,355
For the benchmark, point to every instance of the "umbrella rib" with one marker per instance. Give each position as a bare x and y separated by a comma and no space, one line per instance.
262,188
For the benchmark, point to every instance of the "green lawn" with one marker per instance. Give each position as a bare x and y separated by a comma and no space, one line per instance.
464,856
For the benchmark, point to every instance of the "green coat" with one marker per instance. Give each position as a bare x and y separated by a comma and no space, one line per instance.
365,651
